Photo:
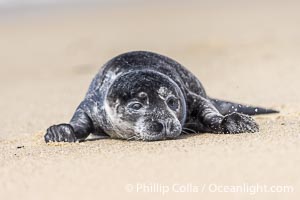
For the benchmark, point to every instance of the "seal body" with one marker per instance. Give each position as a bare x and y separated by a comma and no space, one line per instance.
146,96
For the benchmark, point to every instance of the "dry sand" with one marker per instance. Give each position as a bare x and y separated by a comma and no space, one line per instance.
246,52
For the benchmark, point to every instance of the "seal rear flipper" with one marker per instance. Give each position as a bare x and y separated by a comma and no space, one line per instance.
226,107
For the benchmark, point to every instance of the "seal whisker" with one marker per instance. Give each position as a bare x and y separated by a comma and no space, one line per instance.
135,137
130,138
119,135
190,124
188,129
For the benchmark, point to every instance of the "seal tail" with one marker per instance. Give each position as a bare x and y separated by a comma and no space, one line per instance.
226,107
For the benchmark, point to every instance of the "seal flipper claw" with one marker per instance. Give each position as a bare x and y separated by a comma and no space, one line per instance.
60,133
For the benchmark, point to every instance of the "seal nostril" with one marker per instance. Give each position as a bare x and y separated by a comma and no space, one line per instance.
171,127
173,130
156,127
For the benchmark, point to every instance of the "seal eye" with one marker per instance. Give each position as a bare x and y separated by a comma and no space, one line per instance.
135,106
173,103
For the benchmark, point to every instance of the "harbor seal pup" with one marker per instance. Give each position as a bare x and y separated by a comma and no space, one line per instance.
146,96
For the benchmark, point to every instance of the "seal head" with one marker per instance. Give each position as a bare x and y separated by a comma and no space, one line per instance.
145,105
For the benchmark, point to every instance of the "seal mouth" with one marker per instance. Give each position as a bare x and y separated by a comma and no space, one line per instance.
158,137
165,135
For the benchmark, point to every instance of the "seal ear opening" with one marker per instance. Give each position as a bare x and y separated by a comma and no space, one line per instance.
226,107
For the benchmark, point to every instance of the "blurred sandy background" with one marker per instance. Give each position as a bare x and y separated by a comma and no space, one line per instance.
245,51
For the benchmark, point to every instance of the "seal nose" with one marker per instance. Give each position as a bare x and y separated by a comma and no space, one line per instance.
166,127
157,127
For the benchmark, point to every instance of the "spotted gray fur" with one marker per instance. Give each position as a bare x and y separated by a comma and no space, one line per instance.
146,96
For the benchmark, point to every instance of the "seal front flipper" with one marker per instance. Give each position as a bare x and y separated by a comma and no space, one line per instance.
212,120
78,129
60,133
238,123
